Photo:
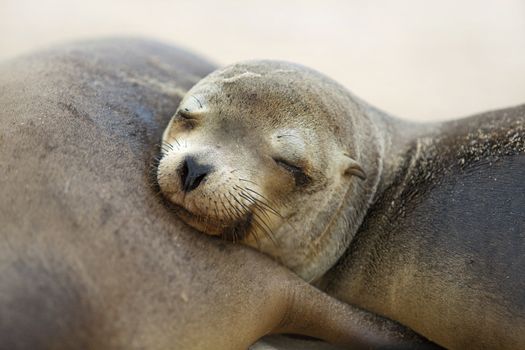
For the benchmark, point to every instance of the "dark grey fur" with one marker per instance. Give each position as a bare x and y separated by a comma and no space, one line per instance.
442,249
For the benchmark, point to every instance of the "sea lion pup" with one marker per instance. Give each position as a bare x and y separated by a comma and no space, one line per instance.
426,221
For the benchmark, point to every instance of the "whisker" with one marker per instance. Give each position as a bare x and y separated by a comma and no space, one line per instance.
268,202
227,211
259,203
167,144
258,220
263,210
271,209
267,233
177,141
267,228
256,238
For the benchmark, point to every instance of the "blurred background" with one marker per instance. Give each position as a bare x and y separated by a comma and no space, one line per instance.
422,60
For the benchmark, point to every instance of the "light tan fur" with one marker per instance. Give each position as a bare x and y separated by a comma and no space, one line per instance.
243,118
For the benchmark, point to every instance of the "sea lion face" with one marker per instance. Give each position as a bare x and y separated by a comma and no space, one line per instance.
254,154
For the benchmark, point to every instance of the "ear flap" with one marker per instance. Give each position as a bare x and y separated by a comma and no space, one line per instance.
350,166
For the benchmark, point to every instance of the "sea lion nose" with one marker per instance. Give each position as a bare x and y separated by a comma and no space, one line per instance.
192,173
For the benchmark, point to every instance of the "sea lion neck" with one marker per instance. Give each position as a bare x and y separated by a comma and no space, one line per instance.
381,144
394,140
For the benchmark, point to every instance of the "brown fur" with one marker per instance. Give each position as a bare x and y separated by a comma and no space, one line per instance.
90,256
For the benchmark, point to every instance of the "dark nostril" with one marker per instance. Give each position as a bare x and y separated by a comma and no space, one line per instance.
184,172
192,173
197,181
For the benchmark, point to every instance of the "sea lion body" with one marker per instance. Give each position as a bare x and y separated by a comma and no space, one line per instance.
423,222
90,256
442,249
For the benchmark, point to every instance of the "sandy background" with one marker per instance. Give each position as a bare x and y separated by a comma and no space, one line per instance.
417,59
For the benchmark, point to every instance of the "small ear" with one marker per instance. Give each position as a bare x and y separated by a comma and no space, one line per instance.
351,167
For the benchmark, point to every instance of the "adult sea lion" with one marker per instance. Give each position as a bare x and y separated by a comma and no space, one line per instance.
90,257
426,222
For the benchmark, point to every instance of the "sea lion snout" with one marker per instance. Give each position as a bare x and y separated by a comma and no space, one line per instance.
192,172
214,189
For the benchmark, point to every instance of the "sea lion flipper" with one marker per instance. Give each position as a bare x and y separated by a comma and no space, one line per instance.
313,313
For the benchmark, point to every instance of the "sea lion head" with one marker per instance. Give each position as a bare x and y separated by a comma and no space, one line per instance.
259,152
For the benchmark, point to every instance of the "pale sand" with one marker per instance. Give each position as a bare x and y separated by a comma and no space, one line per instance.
417,59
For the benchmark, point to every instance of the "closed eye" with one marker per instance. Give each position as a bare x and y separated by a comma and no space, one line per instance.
186,114
300,177
186,119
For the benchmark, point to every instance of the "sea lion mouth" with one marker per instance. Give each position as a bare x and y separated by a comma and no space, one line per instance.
229,230
239,230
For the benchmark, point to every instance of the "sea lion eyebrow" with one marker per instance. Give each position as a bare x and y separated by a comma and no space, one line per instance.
198,101
286,135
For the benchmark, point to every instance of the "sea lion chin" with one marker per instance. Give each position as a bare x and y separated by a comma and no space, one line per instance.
229,230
